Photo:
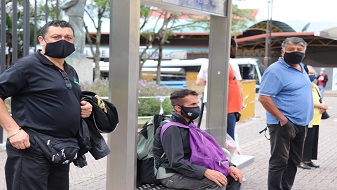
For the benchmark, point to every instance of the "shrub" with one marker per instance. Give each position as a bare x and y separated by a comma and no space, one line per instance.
100,87
147,106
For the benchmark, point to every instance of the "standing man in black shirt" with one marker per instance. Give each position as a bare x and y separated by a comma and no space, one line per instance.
45,96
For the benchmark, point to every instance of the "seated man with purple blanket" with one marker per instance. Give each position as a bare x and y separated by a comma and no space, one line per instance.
173,152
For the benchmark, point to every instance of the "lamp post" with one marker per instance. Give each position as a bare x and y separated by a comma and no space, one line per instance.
269,28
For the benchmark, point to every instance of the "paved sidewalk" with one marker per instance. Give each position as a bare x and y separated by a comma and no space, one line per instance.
323,178
93,176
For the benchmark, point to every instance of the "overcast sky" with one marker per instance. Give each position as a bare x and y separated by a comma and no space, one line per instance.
296,11
287,10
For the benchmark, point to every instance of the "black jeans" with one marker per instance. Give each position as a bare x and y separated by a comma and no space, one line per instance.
29,169
179,181
286,144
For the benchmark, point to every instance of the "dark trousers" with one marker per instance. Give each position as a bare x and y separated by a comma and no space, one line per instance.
311,144
179,181
231,122
30,170
286,144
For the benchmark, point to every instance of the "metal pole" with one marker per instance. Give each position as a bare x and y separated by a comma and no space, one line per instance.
46,11
123,85
57,9
267,40
3,37
26,28
35,25
2,49
219,51
15,32
270,11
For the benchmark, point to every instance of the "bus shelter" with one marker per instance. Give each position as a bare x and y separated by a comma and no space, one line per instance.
123,83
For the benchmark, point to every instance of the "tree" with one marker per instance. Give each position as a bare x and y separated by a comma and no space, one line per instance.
40,17
240,20
167,22
96,10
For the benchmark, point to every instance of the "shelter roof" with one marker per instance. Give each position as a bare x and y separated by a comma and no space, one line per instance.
255,36
261,28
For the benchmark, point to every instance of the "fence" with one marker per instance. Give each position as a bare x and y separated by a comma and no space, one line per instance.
18,29
19,26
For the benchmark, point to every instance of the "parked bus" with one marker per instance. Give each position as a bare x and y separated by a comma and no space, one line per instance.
177,73
182,73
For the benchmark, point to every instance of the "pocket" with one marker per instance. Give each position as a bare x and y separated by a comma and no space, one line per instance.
288,129
57,150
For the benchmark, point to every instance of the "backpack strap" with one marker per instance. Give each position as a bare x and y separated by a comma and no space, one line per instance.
169,124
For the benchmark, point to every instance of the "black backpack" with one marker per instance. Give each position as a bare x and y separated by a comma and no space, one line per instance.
145,161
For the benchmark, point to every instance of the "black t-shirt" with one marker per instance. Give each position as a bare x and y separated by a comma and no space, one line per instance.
40,98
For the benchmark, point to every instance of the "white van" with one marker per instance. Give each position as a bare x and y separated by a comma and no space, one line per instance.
250,69
174,71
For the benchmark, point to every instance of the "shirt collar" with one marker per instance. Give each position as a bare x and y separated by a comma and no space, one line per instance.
46,61
281,60
176,117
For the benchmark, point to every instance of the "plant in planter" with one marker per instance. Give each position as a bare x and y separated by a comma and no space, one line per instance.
151,96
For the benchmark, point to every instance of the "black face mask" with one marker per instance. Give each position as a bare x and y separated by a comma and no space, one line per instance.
293,57
190,112
59,49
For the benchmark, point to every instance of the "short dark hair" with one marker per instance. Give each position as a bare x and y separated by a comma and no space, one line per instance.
56,23
178,96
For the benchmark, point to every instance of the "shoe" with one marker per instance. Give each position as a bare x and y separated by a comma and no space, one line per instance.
311,164
304,166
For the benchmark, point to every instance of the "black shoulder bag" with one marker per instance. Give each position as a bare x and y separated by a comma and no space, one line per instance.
325,114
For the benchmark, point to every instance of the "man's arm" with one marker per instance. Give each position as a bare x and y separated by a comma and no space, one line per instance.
326,78
217,177
268,104
17,137
200,82
220,179
235,173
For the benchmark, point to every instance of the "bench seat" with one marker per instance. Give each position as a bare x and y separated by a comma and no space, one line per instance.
152,187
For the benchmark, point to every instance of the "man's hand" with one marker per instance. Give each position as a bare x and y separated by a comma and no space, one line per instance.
18,138
283,121
216,176
86,109
235,173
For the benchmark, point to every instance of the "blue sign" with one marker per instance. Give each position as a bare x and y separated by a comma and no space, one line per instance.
216,7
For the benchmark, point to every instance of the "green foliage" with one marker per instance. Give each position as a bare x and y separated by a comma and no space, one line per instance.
98,9
151,106
145,11
147,106
242,18
99,86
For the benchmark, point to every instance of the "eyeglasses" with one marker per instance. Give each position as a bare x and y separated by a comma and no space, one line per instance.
66,79
265,133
